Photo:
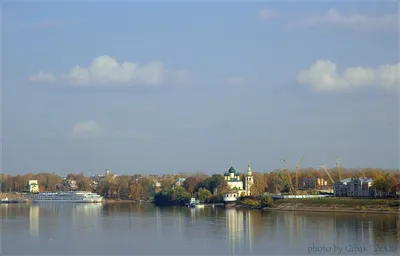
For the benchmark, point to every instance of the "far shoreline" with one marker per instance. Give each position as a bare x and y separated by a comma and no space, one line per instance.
285,208
325,210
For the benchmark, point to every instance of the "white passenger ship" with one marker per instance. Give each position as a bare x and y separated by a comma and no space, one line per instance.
68,197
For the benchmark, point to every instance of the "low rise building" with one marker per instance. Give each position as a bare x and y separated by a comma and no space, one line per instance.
314,183
157,187
179,181
354,187
33,186
71,184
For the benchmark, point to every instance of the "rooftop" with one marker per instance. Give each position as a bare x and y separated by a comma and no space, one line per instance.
345,181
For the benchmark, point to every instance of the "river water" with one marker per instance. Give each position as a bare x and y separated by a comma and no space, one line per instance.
143,229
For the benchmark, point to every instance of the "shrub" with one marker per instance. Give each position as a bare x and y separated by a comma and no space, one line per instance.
250,202
267,201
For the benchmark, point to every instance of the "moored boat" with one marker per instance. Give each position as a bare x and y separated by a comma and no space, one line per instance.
68,197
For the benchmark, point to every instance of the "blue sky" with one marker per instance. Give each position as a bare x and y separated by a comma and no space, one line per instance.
164,87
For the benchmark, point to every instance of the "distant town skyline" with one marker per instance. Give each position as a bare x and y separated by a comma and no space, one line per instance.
157,88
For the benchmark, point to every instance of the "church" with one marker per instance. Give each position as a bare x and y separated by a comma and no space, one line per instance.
240,187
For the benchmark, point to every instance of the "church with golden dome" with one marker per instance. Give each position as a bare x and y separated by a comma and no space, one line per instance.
240,187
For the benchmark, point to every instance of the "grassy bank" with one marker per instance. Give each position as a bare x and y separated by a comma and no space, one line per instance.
250,202
338,205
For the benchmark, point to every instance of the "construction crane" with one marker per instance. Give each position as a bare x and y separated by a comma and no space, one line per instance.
297,173
338,168
291,188
327,173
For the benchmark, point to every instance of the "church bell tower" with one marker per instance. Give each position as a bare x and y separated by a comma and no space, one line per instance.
249,180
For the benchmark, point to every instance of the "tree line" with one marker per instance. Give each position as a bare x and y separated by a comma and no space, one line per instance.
206,188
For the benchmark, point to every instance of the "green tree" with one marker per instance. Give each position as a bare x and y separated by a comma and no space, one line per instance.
180,195
381,185
204,194
212,183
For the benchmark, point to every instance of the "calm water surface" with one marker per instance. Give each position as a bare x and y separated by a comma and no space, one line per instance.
112,229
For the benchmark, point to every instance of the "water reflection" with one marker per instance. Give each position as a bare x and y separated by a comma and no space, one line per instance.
239,230
97,228
34,220
55,216
247,231
87,210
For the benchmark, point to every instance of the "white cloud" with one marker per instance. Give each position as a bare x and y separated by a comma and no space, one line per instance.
267,14
355,21
106,70
87,129
234,81
42,76
323,75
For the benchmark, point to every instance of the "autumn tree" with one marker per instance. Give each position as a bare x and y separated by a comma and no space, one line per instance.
123,185
135,191
258,186
192,182
167,182
83,183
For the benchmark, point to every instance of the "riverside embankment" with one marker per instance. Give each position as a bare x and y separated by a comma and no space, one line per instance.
344,205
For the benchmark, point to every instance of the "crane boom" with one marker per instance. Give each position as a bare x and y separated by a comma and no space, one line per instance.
338,168
297,173
291,188
327,173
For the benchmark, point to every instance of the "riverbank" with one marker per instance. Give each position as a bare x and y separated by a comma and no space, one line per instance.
342,205
11,196
125,201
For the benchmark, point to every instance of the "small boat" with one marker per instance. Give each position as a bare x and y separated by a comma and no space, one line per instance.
194,203
10,201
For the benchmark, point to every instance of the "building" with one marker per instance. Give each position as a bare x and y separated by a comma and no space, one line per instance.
71,184
241,187
308,183
109,174
158,187
354,187
33,186
313,184
179,181
396,191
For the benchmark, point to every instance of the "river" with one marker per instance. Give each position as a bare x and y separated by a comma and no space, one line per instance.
143,229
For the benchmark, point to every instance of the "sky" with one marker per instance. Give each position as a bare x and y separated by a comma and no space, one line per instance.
187,86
